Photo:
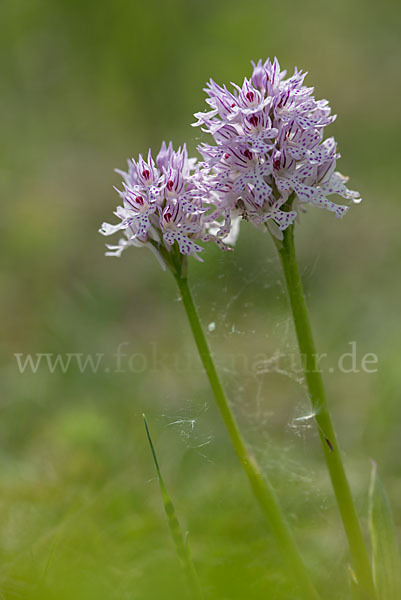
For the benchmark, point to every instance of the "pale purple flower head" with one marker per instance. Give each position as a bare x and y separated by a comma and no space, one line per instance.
269,148
165,204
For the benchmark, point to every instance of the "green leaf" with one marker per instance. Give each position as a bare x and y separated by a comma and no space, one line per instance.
180,541
386,556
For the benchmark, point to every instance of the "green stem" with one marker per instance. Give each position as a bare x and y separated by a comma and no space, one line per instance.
314,381
262,489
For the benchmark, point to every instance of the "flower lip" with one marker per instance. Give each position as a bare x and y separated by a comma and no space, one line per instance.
248,154
254,120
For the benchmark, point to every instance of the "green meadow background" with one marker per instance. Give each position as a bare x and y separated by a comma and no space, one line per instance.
84,86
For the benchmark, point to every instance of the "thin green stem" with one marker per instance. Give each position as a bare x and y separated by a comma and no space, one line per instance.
314,381
180,541
262,489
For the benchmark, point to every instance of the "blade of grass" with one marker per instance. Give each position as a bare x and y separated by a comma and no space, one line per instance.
386,555
180,541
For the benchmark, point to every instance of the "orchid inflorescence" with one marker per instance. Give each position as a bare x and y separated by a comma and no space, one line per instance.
165,201
268,162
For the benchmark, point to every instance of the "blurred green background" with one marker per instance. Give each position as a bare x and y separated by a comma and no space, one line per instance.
85,85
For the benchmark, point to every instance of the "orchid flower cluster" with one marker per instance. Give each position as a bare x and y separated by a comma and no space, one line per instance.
269,147
164,202
269,160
